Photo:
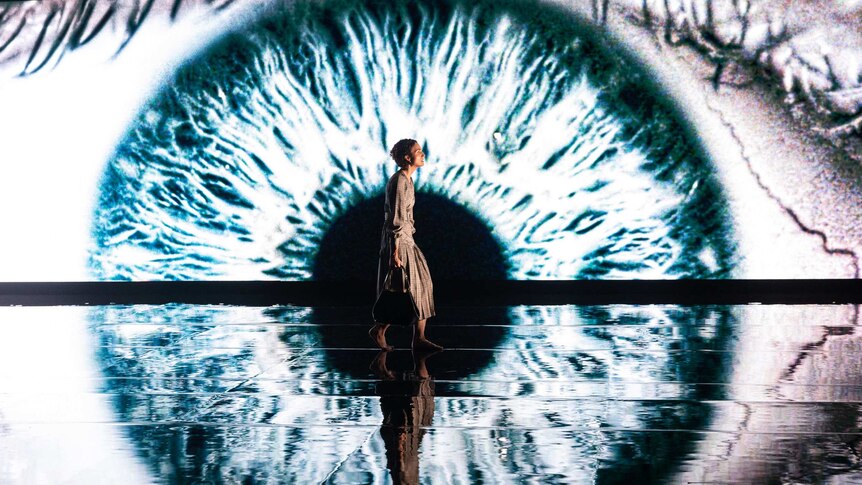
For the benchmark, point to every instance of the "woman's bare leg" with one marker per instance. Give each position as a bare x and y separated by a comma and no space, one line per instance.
378,335
419,340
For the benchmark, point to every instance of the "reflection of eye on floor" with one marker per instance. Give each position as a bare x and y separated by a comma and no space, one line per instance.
303,381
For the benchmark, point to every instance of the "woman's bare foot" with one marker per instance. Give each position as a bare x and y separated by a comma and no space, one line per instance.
378,335
419,362
425,344
378,366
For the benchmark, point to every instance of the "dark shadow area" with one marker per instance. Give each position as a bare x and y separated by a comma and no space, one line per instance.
460,247
456,243
342,343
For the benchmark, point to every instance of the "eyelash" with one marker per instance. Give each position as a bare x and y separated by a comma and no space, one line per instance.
44,31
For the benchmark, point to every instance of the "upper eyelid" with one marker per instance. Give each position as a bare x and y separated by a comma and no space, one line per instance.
38,32
35,34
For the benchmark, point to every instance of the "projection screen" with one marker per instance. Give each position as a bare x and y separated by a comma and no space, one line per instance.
249,140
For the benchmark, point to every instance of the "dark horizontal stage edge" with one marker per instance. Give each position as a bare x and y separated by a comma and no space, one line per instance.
447,293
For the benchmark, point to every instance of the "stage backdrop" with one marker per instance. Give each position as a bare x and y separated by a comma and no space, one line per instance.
252,143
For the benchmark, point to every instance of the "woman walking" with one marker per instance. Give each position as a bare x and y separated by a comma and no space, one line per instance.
397,248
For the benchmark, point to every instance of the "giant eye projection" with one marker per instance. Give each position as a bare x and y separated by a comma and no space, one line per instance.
541,133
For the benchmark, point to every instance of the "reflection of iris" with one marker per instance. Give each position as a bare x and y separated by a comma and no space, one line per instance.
581,394
238,169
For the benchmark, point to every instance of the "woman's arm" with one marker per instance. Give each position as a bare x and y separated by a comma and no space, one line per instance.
399,216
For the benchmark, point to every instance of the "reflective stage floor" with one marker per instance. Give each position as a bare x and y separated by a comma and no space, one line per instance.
522,394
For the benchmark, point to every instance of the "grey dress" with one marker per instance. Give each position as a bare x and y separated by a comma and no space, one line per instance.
398,226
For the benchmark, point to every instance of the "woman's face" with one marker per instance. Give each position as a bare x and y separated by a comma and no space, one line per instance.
417,156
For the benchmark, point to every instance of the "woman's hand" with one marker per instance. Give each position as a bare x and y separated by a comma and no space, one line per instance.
395,261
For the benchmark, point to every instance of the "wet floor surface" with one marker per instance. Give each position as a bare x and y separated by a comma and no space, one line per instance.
545,394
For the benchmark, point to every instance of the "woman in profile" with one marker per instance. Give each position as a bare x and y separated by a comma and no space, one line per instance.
397,248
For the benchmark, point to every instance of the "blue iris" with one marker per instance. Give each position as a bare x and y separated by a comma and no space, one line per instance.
556,141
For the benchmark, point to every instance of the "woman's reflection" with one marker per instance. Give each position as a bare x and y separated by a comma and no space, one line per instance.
407,403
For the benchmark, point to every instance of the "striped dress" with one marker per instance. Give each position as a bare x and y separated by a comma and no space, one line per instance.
398,225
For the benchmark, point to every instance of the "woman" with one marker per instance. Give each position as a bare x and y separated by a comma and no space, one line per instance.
397,247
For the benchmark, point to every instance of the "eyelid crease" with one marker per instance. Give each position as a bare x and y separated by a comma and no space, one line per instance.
35,33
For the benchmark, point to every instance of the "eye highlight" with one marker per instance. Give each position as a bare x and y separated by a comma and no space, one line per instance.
562,147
